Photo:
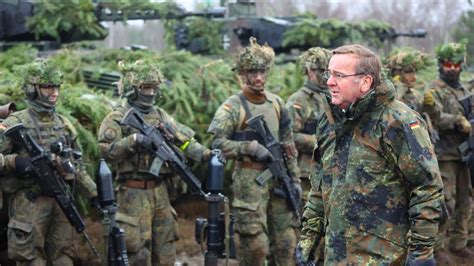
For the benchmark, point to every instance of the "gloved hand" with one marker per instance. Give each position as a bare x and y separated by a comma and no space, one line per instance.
207,155
23,165
463,125
428,99
414,261
258,151
143,143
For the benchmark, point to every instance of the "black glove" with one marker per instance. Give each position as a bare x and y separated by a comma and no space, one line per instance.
23,166
144,143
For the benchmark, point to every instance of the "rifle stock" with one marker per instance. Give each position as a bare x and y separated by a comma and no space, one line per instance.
278,166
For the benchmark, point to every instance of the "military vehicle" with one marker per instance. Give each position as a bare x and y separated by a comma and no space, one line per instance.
239,22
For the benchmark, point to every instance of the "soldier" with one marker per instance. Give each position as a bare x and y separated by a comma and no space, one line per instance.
38,231
442,102
380,184
144,210
402,65
265,223
305,107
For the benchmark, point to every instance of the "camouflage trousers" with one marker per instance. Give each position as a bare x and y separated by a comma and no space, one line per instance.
149,223
457,193
306,186
265,224
38,231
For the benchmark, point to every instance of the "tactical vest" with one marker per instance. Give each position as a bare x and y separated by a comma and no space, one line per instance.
271,112
138,165
45,130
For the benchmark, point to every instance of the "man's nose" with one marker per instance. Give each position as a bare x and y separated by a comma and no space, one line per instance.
331,81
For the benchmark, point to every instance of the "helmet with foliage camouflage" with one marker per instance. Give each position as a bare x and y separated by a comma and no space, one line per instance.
40,73
254,56
406,60
315,58
134,76
139,73
453,52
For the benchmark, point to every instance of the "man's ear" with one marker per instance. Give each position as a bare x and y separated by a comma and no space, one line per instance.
366,83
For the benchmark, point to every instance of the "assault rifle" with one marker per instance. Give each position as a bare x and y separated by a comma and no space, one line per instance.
467,147
115,250
277,166
163,151
46,174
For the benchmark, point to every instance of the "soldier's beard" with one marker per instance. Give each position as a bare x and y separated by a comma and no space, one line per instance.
450,77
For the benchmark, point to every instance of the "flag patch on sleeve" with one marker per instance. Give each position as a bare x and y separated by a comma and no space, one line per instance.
414,124
297,105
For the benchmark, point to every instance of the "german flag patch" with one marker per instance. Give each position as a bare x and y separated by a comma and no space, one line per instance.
414,125
297,105
227,106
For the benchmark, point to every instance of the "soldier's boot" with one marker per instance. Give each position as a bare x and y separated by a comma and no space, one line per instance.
442,258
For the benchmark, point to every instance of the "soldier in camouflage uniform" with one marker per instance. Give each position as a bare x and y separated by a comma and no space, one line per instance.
305,107
144,206
265,223
380,184
38,231
402,65
442,102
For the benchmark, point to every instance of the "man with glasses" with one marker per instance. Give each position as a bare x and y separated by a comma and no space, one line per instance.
145,212
264,222
380,183
38,231
442,102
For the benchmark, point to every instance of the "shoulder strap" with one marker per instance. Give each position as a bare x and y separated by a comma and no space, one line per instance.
245,105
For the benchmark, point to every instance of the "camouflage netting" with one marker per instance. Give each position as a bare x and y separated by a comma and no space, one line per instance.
254,56
406,60
454,52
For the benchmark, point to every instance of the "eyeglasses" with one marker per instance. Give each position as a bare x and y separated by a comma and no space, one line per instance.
339,76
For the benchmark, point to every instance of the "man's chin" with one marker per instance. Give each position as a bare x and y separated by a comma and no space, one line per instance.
258,89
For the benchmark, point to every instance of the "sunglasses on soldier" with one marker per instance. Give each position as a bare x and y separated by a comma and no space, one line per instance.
449,64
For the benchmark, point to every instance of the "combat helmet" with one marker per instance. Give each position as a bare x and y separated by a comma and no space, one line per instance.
315,58
254,56
36,74
137,74
406,60
453,52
